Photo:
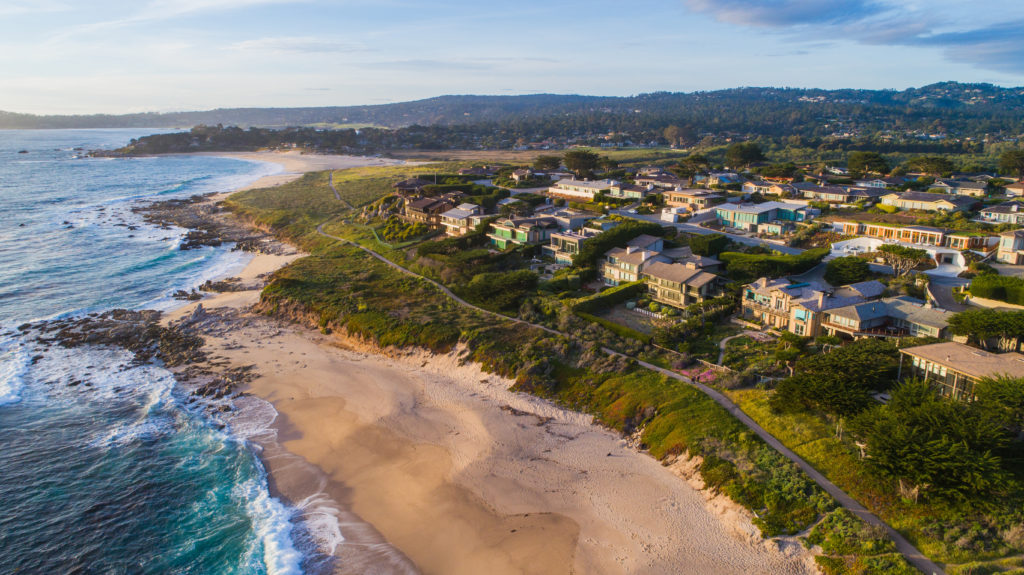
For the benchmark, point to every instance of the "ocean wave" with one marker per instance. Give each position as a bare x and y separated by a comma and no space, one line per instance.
272,545
14,364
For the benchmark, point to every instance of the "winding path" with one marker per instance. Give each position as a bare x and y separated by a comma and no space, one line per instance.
330,182
913,555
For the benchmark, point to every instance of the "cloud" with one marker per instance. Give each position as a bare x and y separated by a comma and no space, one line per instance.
19,7
297,45
998,47
785,13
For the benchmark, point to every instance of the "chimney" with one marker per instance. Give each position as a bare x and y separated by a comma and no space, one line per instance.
821,300
631,249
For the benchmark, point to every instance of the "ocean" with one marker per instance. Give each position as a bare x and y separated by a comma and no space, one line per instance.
103,466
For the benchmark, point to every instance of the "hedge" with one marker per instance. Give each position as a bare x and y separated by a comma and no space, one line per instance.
610,297
1002,288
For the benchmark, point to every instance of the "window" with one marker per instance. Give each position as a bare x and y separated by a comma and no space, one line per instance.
798,329
800,314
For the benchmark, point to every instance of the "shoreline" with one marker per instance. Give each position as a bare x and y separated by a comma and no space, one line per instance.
462,475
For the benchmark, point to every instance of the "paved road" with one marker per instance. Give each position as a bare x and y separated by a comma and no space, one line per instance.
705,231
941,290
905,547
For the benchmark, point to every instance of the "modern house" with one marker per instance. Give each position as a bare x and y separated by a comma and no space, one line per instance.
565,245
680,285
623,265
892,182
888,317
659,180
961,187
839,194
748,216
954,368
799,307
1004,213
692,199
928,202
1011,247
522,231
766,187
922,235
426,210
631,192
459,220
1015,189
724,179
580,190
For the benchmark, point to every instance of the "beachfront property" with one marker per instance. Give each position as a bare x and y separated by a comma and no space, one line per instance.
522,231
954,368
580,190
798,307
659,180
459,220
960,187
1004,213
565,245
1014,190
920,235
888,317
839,194
426,210
692,199
928,202
412,186
680,284
1011,247
891,182
631,191
623,265
749,216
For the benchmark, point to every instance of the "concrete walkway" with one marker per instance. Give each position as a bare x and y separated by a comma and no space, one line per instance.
904,546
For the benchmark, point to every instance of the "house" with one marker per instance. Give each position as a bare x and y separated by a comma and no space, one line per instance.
960,188
522,231
1004,213
1015,190
565,245
891,182
798,307
748,216
458,220
685,255
921,235
680,285
659,180
426,210
724,179
692,199
580,190
412,186
954,368
888,317
623,265
521,175
1011,247
765,187
839,194
570,219
631,192
928,202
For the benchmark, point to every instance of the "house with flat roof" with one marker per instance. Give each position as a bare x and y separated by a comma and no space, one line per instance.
954,368
748,216
929,202
661,180
798,307
580,190
1004,213
564,245
913,234
692,199
891,182
679,284
887,317
839,194
459,220
1011,247
631,191
521,231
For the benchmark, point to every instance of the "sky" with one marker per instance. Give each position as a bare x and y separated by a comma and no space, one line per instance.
122,56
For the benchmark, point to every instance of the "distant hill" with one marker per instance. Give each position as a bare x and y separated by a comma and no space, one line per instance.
970,109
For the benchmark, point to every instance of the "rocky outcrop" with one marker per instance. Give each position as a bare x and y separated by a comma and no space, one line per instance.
209,224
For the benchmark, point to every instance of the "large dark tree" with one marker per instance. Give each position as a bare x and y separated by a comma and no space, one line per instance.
742,154
547,163
1012,162
581,162
933,165
846,270
690,166
867,162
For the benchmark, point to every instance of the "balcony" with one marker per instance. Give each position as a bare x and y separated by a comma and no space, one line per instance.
878,331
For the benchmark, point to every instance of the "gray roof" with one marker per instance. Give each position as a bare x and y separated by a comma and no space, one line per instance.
462,212
679,273
929,197
968,360
868,289
905,308
636,257
643,241
761,208
1004,208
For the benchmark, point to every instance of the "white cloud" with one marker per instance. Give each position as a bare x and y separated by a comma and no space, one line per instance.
297,45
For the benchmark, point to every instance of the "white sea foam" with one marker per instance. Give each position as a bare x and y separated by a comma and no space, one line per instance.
272,525
14,363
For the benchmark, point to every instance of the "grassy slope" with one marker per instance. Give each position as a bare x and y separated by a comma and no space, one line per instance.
344,288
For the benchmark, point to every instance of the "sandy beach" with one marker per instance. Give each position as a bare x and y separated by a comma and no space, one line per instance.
295,163
436,467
